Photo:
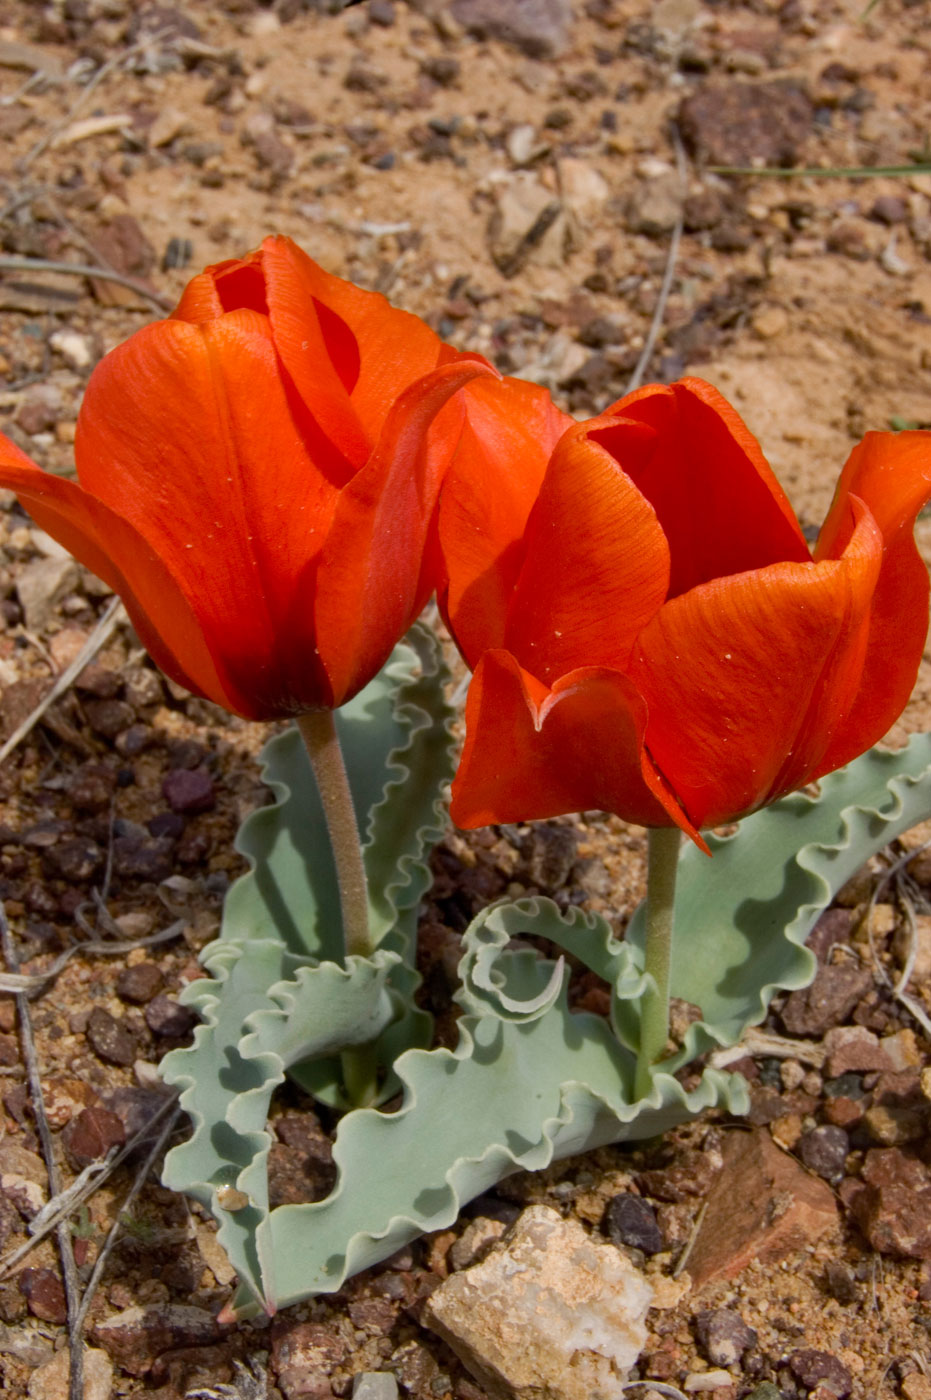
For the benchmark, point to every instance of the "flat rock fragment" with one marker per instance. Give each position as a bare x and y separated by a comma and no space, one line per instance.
539,28
742,123
527,221
892,1206
552,1315
763,1205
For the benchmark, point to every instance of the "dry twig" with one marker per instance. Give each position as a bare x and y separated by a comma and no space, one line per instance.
68,1201
898,987
114,615
105,274
666,287
25,983
62,1230
114,1232
86,92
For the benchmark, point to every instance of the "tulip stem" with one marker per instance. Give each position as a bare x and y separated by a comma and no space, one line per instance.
318,730
662,868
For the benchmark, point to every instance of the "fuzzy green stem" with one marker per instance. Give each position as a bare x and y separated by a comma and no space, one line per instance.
318,730
662,868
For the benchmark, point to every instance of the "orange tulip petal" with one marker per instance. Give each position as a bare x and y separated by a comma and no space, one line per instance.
206,460
510,430
394,347
200,300
532,753
720,506
596,563
369,583
891,473
112,549
317,346
729,672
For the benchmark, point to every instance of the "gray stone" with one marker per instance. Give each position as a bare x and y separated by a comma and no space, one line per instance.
522,145
654,206
374,1385
723,1335
527,219
41,586
554,1312
539,28
28,1346
476,1240
76,350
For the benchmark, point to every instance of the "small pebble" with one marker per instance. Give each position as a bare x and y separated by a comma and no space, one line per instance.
723,1335
812,1367
138,984
89,1136
165,1017
702,1382
143,858
74,860
374,1385
381,12
109,1039
824,1150
170,824
189,790
631,1220
44,1294
840,1281
889,209
75,349
109,717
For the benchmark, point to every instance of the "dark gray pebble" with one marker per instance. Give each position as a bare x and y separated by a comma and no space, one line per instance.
630,1220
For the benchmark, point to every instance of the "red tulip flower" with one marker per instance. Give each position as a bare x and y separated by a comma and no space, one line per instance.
668,649
258,476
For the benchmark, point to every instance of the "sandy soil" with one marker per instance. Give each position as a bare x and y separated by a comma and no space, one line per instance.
385,140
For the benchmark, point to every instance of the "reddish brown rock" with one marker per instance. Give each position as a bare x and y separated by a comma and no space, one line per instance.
139,983
45,1295
303,1355
90,1135
828,1001
815,1368
136,1337
539,28
123,246
740,123
853,1049
893,1205
189,790
689,1176
763,1206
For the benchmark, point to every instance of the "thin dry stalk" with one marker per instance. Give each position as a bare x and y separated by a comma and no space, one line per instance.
898,987
660,1387
113,1233
62,1230
70,1200
105,274
86,93
690,1242
27,983
659,311
114,615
